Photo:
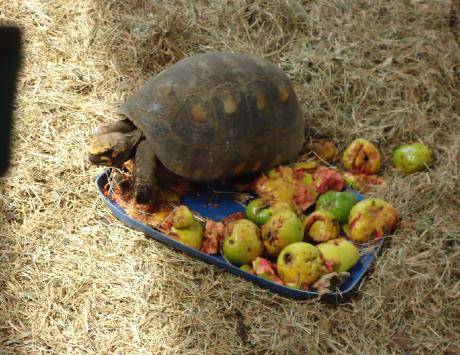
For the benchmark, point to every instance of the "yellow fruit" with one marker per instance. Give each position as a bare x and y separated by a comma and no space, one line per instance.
321,226
361,156
191,236
299,265
182,217
341,253
324,149
246,268
281,229
371,218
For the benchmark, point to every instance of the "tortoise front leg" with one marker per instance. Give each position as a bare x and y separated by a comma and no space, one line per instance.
144,172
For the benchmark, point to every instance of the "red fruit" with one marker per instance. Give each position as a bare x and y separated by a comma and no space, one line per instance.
327,179
305,192
233,217
362,182
266,269
213,236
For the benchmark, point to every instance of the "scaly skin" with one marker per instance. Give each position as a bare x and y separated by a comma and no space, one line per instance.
361,156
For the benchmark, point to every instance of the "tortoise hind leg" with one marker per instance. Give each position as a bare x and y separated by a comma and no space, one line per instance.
144,172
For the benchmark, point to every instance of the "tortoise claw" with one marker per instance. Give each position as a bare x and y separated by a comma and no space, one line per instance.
143,194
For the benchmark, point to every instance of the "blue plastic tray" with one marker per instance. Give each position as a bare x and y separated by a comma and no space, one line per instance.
207,203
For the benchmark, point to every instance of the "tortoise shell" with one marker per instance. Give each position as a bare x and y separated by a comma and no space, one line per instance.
217,115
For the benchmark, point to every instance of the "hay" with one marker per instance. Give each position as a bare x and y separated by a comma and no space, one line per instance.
76,280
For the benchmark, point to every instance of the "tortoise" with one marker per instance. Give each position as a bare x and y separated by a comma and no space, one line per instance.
208,117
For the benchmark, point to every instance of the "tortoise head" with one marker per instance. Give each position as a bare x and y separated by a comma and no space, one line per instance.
113,148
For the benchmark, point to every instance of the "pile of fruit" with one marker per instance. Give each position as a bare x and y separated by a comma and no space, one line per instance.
302,224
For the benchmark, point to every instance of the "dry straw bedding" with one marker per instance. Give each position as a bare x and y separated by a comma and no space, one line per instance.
76,280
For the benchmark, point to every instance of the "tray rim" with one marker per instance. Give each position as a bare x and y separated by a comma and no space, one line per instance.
365,259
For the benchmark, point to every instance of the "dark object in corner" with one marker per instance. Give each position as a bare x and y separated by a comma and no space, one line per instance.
10,58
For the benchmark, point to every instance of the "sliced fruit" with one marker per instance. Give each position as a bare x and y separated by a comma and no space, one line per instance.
371,218
362,182
266,269
321,226
213,237
361,156
328,179
306,191
182,217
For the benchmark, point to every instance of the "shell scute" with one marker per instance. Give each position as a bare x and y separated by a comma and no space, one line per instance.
219,114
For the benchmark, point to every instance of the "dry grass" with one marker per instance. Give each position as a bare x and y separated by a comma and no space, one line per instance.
76,280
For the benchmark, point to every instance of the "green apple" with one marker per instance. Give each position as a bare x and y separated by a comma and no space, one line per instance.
242,243
412,157
341,253
182,217
191,235
283,228
338,203
258,212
